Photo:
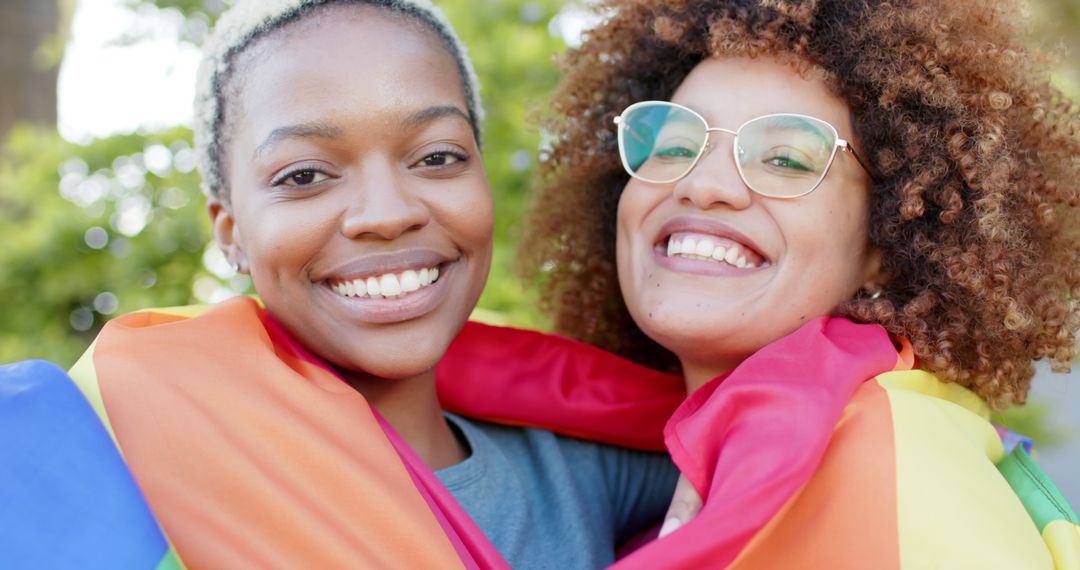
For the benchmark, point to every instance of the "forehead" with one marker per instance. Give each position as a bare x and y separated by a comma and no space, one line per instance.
731,91
344,59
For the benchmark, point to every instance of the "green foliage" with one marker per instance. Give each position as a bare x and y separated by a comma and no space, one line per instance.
91,231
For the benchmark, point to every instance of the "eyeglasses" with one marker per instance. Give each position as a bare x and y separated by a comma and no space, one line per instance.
784,155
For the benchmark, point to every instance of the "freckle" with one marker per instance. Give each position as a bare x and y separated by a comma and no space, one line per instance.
650,314
802,318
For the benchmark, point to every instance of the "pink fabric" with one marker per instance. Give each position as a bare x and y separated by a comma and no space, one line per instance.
748,441
471,544
523,377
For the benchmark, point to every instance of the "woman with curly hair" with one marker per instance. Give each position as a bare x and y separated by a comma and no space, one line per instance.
852,226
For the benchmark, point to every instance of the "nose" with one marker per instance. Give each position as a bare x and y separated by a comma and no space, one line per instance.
383,206
715,179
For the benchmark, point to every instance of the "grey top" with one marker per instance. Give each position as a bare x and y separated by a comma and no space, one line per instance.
547,501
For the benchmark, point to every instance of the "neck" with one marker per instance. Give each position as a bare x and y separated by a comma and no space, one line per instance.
411,406
696,375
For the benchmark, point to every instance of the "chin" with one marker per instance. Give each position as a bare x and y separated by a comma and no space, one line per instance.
393,359
707,342
393,369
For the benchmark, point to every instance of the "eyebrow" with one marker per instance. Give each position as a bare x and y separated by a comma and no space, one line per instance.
436,112
789,122
328,131
301,131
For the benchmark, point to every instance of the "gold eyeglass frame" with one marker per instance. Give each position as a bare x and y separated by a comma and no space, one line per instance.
840,144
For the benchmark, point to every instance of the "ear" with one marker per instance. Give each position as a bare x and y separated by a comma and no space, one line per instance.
874,278
226,233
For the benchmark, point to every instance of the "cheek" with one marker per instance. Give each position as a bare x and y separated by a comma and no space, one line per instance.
469,214
625,228
630,215
833,248
284,237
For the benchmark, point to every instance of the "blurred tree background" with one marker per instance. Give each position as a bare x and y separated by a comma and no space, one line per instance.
118,223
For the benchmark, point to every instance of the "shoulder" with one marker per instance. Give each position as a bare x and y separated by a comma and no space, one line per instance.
953,505
912,462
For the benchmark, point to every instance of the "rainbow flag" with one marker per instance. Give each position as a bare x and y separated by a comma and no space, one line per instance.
251,451
804,463
825,449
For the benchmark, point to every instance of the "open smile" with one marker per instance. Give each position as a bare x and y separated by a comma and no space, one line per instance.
386,285
388,288
704,246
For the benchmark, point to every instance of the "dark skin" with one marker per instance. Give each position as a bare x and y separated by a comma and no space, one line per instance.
343,176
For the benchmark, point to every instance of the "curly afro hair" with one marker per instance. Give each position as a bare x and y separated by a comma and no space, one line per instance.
976,164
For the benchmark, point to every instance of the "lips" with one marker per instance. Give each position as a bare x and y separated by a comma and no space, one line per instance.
709,241
388,287
376,265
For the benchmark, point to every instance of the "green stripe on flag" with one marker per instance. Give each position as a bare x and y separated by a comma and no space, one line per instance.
1040,497
170,561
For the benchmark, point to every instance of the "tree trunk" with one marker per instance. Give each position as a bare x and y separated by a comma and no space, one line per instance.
27,77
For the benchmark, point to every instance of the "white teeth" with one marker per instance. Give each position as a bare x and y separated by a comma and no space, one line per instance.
689,245
387,285
704,248
707,249
410,281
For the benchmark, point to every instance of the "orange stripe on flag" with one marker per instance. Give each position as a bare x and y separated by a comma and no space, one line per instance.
251,461
845,516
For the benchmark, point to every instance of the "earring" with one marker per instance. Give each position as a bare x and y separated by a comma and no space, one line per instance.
871,290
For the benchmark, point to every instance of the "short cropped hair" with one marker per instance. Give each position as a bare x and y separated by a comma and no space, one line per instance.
250,20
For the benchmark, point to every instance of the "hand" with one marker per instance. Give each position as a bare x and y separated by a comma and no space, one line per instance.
685,505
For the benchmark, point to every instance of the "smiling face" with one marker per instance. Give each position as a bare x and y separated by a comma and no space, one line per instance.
713,271
357,197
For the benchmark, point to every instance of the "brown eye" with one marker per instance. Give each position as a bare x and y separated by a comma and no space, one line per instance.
303,178
300,178
440,159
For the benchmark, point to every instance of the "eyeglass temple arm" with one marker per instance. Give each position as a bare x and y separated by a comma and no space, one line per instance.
847,146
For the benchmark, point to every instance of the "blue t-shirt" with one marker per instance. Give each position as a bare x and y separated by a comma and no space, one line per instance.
547,501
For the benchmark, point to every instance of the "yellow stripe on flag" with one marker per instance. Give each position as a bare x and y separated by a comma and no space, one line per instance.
954,508
1063,538
85,377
